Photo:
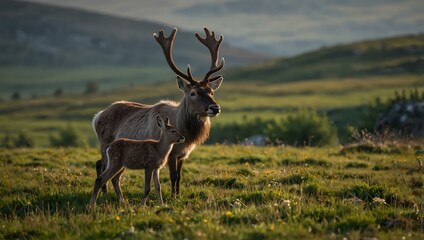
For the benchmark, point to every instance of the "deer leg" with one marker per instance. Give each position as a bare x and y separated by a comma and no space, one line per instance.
157,186
99,171
179,171
147,180
173,174
100,167
101,181
116,181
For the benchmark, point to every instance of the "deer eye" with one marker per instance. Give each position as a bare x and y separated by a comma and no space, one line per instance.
173,131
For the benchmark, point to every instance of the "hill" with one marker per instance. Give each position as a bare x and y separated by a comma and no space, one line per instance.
381,57
267,91
276,27
41,35
45,48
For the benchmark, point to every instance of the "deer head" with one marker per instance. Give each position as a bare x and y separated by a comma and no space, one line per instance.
198,94
168,131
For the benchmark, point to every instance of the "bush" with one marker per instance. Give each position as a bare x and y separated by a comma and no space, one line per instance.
300,128
16,96
236,132
68,137
24,140
91,87
308,128
6,142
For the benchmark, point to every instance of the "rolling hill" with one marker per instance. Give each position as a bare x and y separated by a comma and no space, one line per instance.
266,90
44,48
276,27
40,35
381,57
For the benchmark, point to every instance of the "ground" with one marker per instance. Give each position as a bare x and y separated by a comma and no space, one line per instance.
228,192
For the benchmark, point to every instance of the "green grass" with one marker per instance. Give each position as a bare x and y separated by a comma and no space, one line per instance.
341,98
384,57
338,81
228,192
43,81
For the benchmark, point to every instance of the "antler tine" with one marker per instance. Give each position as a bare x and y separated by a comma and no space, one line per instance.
166,43
213,45
215,78
189,72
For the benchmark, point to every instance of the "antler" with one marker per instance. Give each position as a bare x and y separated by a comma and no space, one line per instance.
166,44
213,45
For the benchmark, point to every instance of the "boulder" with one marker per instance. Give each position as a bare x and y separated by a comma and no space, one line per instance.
405,118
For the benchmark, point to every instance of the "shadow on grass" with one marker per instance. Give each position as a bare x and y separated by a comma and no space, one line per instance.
63,204
306,162
228,183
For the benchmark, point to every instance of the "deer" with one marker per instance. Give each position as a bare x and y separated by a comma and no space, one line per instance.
150,155
191,116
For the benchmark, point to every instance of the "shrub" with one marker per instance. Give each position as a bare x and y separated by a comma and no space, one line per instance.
16,96
308,128
6,142
356,165
91,87
68,137
300,128
58,92
24,140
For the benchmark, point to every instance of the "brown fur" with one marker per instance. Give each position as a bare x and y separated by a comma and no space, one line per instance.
136,121
150,155
190,117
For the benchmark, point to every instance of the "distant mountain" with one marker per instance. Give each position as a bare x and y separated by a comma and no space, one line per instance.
39,35
389,56
276,27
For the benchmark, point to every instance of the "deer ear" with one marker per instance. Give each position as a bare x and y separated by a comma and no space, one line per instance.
167,121
215,84
159,121
182,84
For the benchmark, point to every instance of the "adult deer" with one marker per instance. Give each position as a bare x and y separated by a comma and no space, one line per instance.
190,116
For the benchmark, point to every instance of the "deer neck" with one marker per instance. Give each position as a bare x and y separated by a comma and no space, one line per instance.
193,127
164,145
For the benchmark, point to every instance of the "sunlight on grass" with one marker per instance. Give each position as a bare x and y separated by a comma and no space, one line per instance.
227,192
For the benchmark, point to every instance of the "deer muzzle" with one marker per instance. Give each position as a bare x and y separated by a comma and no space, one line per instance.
181,140
213,110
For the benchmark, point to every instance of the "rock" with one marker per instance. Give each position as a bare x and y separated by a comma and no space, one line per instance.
257,140
404,117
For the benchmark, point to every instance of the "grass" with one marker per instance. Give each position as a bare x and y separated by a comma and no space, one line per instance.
240,102
227,192
337,81
384,57
43,81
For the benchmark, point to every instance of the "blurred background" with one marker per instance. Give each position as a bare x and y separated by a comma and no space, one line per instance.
297,72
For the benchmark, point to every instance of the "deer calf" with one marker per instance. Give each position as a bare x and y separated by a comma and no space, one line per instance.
150,155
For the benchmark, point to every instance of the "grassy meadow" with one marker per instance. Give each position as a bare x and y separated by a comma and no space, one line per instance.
240,101
228,192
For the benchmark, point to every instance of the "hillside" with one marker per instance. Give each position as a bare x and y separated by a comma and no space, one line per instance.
44,49
276,27
267,91
382,57
41,35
